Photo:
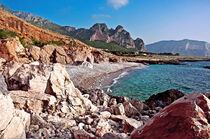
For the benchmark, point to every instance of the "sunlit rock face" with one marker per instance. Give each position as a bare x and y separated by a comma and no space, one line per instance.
187,118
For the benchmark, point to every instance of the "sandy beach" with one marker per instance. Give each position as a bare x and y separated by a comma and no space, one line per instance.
100,76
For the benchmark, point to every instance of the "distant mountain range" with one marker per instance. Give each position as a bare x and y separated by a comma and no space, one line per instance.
98,31
102,33
183,47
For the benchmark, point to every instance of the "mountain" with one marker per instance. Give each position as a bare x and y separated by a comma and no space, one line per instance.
183,47
96,32
100,32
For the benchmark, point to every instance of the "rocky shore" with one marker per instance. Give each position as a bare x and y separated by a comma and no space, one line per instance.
42,102
42,96
91,76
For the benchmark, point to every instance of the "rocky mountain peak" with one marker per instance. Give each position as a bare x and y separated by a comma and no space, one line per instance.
139,43
101,32
100,27
119,27
69,29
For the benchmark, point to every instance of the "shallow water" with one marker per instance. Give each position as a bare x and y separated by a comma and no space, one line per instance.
142,83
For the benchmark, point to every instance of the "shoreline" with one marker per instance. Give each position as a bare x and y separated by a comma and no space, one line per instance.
103,79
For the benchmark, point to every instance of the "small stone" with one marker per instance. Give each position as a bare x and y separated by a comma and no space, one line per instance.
81,125
82,134
119,109
105,114
130,110
113,101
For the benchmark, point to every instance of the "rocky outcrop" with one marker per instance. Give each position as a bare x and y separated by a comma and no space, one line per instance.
11,49
206,67
71,99
53,82
163,99
26,77
102,33
13,123
139,43
34,52
2,63
35,102
53,54
188,117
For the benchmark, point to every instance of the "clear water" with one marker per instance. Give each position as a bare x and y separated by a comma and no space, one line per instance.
142,83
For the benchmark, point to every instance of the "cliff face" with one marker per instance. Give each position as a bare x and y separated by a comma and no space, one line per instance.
102,33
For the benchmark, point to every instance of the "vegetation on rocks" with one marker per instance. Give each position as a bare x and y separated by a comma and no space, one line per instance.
112,46
5,33
40,43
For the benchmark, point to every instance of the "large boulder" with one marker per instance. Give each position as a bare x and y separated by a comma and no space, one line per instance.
128,124
163,99
26,77
53,54
80,54
35,52
13,123
35,102
71,99
2,62
97,96
186,118
11,48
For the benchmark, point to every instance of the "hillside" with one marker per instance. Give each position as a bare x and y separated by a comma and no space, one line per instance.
75,49
183,47
98,32
36,20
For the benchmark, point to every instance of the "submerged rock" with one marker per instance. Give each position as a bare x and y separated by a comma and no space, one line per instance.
187,118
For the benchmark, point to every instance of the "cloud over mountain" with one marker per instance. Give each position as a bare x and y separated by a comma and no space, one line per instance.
97,16
117,3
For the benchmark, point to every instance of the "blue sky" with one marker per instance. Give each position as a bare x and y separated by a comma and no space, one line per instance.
151,20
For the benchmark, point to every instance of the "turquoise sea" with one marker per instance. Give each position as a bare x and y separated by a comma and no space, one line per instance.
142,83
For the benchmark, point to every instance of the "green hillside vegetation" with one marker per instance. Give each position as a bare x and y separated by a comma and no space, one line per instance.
112,46
5,33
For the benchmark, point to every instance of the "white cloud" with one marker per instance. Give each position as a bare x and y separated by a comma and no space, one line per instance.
97,16
117,3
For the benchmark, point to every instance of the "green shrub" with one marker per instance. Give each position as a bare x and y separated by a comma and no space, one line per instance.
112,46
5,33
38,42
59,43
73,43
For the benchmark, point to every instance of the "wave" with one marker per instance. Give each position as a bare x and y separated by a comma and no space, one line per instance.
123,74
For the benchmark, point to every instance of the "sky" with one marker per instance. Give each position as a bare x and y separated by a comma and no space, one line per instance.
151,20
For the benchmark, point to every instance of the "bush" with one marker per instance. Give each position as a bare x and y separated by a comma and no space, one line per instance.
38,42
59,43
112,46
5,33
